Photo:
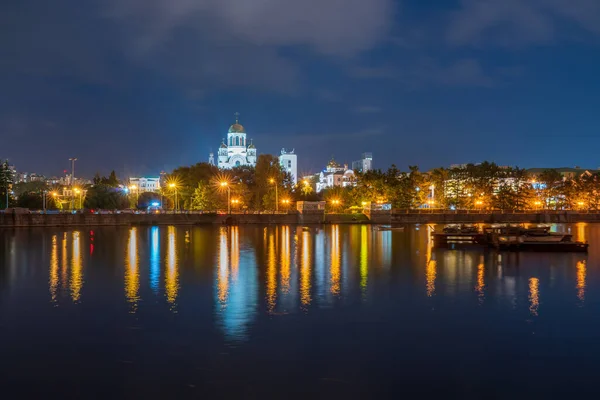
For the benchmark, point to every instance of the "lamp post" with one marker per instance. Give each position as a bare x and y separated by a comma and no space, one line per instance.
235,202
137,193
286,202
226,185
79,193
335,203
73,159
174,187
272,181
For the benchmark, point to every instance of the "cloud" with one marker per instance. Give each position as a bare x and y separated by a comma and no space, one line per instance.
520,22
332,27
428,72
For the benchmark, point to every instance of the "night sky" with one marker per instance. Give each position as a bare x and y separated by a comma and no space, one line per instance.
141,86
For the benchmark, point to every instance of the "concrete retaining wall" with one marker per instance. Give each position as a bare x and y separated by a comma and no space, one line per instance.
377,217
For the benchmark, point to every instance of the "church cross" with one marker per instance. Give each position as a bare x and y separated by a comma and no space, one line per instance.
237,117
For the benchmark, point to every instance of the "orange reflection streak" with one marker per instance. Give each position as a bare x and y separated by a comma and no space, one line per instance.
305,270
534,293
172,275
271,275
480,288
63,273
335,260
76,273
430,267
364,259
581,274
132,274
223,274
581,231
53,281
285,259
235,253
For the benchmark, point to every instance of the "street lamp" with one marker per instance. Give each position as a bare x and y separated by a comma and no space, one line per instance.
272,181
174,187
286,202
224,184
73,159
137,193
479,203
335,202
235,202
79,193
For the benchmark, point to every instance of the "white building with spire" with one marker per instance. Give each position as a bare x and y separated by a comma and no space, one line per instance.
235,151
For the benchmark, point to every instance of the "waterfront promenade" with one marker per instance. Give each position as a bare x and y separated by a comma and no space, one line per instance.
9,220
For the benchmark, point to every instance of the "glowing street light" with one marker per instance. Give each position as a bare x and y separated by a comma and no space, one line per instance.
225,184
272,181
137,193
479,203
77,191
286,202
335,202
174,187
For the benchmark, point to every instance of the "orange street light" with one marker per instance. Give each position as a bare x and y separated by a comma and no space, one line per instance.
272,181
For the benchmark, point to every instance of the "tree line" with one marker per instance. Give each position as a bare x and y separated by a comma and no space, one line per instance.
202,186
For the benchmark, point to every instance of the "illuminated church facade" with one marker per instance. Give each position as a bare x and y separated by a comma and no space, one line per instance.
235,151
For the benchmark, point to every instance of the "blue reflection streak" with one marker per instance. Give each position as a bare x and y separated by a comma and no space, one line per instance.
154,258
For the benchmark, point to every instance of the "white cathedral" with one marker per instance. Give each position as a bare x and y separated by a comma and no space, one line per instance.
236,151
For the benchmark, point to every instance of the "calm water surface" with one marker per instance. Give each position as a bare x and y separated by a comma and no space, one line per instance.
282,312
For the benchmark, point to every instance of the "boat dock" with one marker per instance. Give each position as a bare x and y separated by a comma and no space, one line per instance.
510,238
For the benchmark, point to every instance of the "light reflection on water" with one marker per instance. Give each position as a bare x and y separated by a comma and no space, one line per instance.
281,270
335,303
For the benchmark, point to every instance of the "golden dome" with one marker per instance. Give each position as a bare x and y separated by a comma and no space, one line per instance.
236,128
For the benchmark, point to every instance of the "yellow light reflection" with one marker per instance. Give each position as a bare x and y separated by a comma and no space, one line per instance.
305,270
534,293
364,258
581,274
235,253
480,288
223,274
271,274
64,264
581,227
335,260
132,273
172,275
430,266
76,272
53,281
285,259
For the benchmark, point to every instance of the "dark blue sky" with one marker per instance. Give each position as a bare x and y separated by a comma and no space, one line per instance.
141,86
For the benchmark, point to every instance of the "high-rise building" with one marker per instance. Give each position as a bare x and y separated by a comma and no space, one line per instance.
364,164
289,163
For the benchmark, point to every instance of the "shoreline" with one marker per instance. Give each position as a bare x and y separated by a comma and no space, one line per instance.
293,218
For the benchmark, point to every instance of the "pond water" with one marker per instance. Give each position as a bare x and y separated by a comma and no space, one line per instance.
290,312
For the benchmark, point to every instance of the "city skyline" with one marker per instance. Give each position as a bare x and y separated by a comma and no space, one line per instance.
131,86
